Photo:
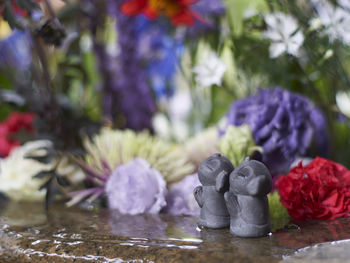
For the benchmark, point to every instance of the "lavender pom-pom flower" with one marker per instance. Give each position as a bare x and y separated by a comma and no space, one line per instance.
283,123
136,188
180,199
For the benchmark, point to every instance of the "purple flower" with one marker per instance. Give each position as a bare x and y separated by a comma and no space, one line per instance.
127,97
180,199
283,123
136,188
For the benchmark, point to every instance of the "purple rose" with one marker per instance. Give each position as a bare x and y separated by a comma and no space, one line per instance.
136,188
180,199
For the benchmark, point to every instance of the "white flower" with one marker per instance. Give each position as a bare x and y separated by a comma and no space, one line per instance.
179,108
180,105
16,172
161,126
284,34
210,71
345,4
336,21
343,102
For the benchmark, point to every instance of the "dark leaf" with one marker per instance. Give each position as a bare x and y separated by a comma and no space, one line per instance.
51,191
9,15
3,197
27,5
42,159
46,159
45,185
52,32
44,174
62,181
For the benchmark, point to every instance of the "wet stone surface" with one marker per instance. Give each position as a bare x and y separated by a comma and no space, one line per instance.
29,234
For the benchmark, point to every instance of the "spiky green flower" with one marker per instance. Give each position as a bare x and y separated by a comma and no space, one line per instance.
238,143
116,147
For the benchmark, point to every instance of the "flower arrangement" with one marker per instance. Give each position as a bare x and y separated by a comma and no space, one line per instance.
135,176
123,105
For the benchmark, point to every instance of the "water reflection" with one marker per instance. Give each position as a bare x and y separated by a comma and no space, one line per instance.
315,231
183,227
336,251
137,226
16,214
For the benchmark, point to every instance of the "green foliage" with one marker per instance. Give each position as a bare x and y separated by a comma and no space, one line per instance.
238,143
278,213
236,10
77,78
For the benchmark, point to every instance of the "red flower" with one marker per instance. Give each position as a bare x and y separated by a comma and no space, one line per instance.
177,10
320,190
13,124
17,121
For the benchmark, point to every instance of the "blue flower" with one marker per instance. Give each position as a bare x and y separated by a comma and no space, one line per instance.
283,123
161,53
15,51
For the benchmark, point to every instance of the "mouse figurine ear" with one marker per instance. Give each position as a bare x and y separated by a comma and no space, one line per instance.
222,181
260,185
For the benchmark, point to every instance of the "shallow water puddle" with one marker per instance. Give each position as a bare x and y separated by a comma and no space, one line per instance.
29,234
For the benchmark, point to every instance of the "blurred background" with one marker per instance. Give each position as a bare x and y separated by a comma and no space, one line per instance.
262,78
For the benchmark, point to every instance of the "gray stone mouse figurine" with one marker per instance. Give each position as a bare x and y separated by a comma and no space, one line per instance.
247,200
213,173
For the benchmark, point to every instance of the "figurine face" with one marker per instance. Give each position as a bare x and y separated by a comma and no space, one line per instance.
211,167
250,178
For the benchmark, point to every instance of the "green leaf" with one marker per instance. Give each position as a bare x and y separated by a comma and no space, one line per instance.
27,5
62,181
278,213
9,15
236,9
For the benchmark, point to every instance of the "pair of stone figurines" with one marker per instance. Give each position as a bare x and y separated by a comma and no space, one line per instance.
234,197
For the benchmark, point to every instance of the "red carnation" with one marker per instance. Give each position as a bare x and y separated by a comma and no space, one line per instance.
178,11
320,190
13,124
